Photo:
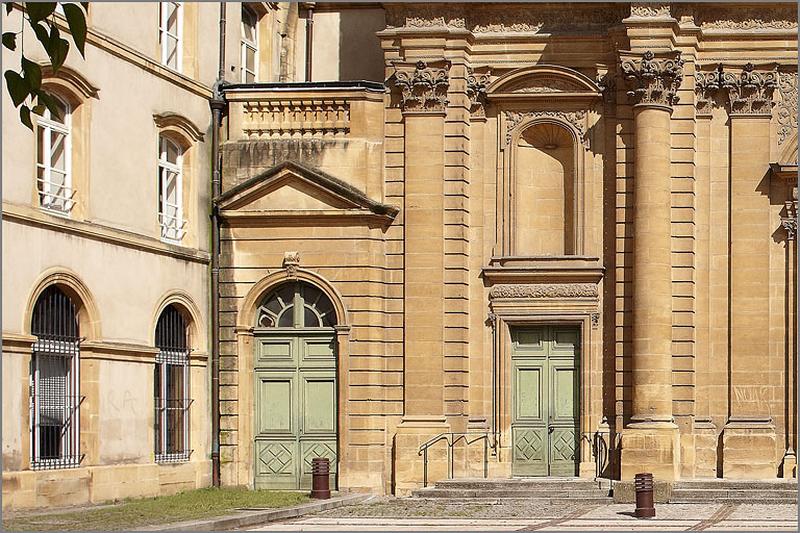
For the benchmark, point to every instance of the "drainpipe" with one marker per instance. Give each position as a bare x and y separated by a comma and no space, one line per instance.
217,105
309,39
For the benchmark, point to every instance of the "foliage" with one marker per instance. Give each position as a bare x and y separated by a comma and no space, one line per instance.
25,85
138,513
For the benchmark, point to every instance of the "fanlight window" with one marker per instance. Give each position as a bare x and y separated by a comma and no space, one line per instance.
296,305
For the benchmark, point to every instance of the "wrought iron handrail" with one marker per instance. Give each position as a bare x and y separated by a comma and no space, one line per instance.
453,438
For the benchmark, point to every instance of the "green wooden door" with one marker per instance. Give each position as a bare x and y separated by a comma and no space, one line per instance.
544,410
295,397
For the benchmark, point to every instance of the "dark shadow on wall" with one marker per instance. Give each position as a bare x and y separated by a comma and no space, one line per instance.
360,54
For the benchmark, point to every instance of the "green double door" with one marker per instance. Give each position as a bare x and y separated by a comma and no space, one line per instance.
544,413
295,407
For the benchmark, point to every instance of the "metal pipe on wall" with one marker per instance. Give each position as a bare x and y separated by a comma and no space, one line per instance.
217,105
309,40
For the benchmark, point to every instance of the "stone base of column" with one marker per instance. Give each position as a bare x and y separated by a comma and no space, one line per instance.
409,466
705,449
748,449
789,466
652,447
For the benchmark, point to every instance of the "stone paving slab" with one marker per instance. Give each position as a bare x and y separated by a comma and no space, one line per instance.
611,517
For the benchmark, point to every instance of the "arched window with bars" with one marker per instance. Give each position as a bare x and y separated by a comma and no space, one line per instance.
171,387
55,382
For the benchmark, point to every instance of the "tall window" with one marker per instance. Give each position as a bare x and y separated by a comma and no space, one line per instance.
171,388
53,159
249,45
170,33
170,190
55,383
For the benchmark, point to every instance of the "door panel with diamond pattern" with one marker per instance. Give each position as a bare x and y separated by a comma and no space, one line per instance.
544,427
296,417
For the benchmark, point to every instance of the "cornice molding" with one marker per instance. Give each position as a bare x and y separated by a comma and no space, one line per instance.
653,77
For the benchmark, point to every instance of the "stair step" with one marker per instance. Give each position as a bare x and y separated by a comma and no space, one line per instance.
440,493
726,484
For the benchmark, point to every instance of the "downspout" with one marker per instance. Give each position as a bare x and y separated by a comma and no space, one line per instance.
288,31
217,107
309,39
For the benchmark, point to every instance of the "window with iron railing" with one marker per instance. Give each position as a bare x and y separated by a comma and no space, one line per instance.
54,159
170,191
171,388
249,45
170,34
55,383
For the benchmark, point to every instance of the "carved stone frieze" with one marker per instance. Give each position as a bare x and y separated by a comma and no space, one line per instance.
650,9
787,107
577,119
750,91
733,17
423,89
476,91
789,219
544,290
652,78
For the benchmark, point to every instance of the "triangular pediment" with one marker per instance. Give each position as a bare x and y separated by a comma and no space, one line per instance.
293,189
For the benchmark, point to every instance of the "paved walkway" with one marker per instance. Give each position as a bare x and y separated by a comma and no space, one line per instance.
611,517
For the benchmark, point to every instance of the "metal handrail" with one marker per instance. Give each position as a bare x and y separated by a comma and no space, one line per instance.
452,438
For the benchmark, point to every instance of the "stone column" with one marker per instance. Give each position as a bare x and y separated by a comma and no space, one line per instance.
423,98
749,436
650,442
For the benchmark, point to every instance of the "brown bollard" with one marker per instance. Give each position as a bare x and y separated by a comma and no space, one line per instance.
643,483
320,478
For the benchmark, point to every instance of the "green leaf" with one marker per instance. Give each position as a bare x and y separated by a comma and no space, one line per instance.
41,34
76,18
39,10
33,73
39,109
10,40
85,6
25,117
58,48
48,101
9,7
18,88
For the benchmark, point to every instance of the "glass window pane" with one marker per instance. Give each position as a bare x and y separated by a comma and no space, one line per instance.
286,319
58,153
40,133
248,25
250,59
61,112
172,52
171,152
172,18
310,319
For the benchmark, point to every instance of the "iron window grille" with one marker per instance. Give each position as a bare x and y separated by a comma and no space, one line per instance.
249,45
54,159
170,191
170,34
171,388
55,383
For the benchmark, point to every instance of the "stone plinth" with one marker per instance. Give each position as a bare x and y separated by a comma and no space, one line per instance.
409,466
705,449
651,447
748,450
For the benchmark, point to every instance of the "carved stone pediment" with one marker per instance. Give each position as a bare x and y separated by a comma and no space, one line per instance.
543,81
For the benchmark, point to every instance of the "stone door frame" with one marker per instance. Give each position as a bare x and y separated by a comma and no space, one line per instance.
507,318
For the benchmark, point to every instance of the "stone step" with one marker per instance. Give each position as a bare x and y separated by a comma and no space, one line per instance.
544,484
736,493
493,494
730,484
543,500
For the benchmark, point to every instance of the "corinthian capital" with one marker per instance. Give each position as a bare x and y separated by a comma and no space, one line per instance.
476,91
750,91
423,89
652,78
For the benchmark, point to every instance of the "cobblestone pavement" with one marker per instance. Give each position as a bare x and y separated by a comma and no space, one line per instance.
414,515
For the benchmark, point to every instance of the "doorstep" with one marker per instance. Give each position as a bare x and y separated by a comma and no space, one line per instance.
252,518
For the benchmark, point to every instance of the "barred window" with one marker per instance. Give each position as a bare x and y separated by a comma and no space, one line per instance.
249,45
53,158
171,33
170,190
171,388
55,383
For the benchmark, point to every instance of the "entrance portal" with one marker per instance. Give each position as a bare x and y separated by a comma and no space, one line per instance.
544,407
295,387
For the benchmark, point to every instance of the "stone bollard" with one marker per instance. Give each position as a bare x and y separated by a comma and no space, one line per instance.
643,483
320,478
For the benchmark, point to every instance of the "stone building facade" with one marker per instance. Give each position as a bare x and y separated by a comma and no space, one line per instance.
456,239
543,226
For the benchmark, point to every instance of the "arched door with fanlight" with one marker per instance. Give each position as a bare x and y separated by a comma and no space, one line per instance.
295,386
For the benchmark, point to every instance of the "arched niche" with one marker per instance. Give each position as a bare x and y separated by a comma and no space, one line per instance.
544,190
